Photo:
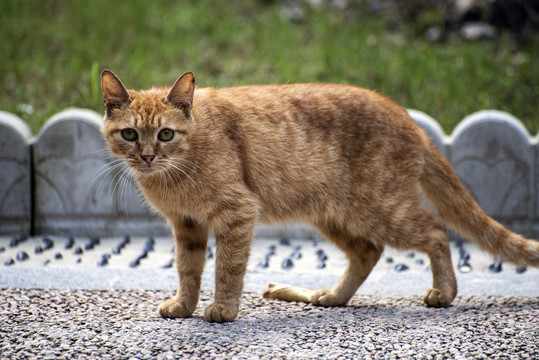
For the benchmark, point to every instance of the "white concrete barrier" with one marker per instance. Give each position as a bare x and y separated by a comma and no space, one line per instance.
66,182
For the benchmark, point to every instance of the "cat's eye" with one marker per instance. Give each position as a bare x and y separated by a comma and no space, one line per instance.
129,134
165,135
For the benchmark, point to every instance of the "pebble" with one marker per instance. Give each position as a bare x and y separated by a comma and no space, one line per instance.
149,245
296,254
321,255
14,242
118,249
287,264
69,324
22,256
401,267
496,267
464,266
264,263
284,242
48,243
69,243
168,265
104,260
464,258
322,258
91,243
135,263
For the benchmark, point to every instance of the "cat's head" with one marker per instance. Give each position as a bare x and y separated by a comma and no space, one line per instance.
148,129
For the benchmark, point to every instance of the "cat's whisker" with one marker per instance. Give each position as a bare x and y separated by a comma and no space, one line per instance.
162,182
105,166
125,192
168,178
116,181
184,172
100,151
103,172
176,178
164,176
109,158
108,166
187,167
173,176
107,170
104,154
125,180
196,166
119,197
181,164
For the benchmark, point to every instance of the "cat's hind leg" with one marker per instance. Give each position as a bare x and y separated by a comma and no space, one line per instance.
427,233
362,255
444,282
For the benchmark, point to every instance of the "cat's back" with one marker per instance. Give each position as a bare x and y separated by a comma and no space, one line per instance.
333,113
317,95
326,105
319,123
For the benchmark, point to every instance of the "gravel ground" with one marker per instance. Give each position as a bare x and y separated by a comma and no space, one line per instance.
105,324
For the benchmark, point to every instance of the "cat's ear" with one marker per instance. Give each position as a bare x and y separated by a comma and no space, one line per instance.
114,92
181,94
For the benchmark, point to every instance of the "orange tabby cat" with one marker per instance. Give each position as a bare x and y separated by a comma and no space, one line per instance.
344,159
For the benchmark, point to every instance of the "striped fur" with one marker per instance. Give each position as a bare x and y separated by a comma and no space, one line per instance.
344,159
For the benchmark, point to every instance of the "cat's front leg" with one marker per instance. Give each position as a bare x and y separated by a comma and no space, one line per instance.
233,247
190,252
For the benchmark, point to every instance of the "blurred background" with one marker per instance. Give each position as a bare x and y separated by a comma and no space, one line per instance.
447,58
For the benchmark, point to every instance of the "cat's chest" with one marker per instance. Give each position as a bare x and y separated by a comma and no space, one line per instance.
168,199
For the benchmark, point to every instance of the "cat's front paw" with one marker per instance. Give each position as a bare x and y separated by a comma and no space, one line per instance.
220,313
437,298
173,309
326,297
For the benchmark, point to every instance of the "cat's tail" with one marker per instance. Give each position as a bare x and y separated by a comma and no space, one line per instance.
456,206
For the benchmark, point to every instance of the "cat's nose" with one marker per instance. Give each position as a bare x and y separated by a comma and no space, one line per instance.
148,158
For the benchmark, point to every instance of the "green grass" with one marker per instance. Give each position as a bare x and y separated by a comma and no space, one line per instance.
52,53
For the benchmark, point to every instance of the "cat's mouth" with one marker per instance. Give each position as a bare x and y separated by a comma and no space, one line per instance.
147,168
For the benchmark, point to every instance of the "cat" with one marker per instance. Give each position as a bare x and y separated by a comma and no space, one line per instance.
347,160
